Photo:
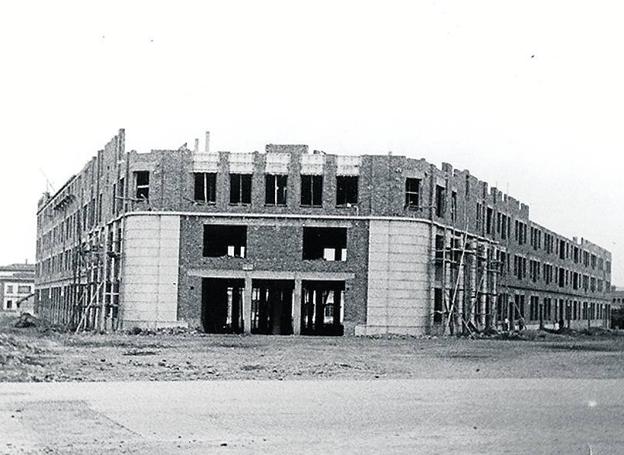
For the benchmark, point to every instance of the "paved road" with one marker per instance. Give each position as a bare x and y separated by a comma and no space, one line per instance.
533,416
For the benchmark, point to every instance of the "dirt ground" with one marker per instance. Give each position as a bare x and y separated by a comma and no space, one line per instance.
36,354
314,417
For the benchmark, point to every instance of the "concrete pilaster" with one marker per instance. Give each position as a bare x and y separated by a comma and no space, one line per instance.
432,275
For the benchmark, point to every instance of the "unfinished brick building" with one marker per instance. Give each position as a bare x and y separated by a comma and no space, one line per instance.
297,242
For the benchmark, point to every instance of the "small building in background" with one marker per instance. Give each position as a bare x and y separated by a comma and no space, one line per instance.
617,307
17,287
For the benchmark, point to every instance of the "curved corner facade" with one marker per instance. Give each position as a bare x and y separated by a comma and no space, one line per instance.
296,242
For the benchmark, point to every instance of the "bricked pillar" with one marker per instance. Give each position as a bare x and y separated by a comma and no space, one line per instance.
296,308
247,305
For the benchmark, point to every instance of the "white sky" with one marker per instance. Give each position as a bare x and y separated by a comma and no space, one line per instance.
447,81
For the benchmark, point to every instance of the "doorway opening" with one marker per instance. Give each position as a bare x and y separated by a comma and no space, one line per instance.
322,308
271,307
222,305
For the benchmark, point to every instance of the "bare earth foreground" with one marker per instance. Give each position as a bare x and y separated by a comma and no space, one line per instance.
231,394
543,416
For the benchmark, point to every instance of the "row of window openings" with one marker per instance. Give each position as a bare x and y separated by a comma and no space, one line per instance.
329,244
20,289
562,277
550,244
551,309
72,226
55,293
276,189
276,192
62,262
564,250
68,259
67,229
347,193
311,191
91,213
413,196
9,305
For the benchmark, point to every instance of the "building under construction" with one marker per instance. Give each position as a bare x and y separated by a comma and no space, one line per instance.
292,241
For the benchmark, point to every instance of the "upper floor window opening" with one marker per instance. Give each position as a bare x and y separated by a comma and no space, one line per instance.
205,189
142,185
412,193
312,190
240,189
276,189
346,190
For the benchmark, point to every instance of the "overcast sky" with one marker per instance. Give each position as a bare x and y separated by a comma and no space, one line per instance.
526,95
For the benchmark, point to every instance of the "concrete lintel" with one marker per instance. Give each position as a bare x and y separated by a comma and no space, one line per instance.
270,275
254,221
